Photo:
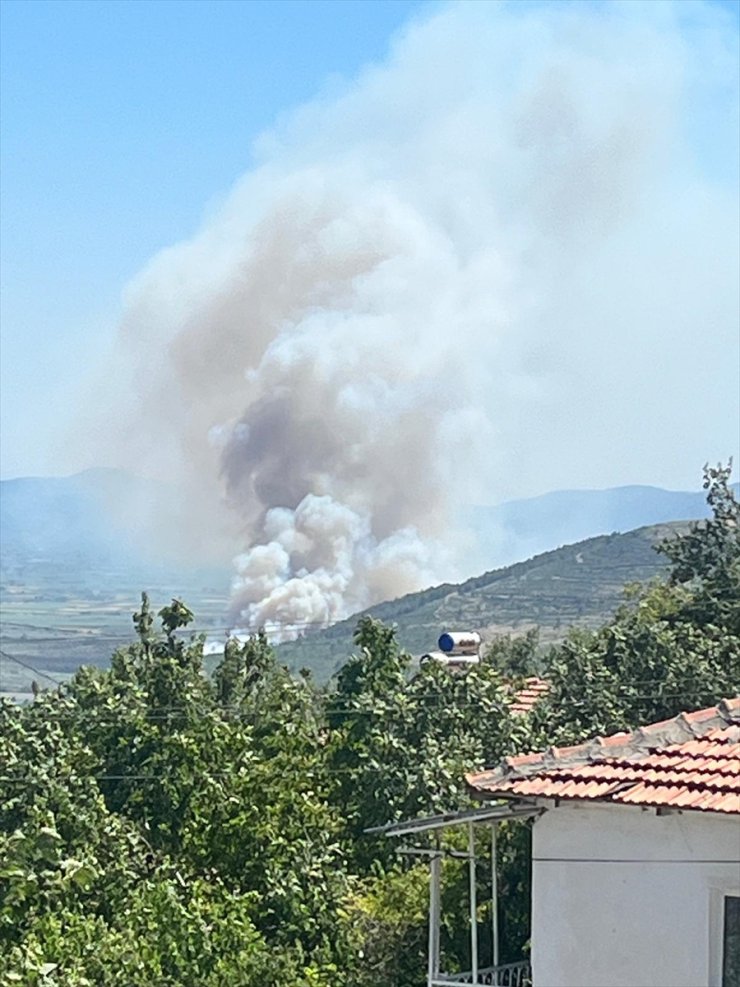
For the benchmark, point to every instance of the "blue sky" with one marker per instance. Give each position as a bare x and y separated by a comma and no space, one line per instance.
124,125
121,123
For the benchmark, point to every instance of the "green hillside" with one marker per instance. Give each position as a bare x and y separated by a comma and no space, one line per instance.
579,584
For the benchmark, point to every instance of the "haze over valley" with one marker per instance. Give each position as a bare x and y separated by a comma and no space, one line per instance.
74,559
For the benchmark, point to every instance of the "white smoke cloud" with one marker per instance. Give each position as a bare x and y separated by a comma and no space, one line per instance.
321,561
485,244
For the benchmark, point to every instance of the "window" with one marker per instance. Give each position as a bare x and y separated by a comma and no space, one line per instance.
731,942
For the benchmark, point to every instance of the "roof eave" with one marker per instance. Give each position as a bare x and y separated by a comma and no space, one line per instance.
545,802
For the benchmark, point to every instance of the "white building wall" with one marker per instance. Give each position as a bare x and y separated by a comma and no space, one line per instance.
623,897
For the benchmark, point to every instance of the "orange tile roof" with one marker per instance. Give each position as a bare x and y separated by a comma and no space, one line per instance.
689,762
529,695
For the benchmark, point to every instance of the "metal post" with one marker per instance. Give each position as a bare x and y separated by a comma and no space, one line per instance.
433,969
494,902
473,906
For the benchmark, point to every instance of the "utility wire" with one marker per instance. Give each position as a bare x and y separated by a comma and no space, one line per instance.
225,628
512,689
168,713
511,686
30,668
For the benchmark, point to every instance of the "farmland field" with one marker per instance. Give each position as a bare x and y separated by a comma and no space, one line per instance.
52,620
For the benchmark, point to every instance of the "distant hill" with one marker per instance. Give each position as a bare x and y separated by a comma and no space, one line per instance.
87,515
520,529
580,584
92,518
73,563
90,532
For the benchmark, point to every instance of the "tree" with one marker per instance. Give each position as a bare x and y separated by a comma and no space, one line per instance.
400,746
401,742
673,646
516,657
165,829
706,560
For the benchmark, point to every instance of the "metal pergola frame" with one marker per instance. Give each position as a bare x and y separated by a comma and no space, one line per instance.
489,816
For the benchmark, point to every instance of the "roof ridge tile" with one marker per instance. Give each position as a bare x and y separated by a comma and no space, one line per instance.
729,709
689,761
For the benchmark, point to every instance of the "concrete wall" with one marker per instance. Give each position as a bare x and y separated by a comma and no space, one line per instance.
623,897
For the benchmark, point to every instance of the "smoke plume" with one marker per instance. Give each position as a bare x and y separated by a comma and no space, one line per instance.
422,284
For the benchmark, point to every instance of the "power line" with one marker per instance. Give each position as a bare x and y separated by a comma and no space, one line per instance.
511,685
30,668
166,713
234,628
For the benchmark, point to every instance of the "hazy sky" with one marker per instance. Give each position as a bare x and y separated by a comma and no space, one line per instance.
126,124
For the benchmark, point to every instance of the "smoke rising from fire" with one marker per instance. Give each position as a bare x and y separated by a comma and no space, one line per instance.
423,282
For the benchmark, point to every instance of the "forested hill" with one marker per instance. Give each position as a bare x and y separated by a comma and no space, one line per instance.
579,584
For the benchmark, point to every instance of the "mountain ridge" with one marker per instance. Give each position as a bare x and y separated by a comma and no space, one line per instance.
95,512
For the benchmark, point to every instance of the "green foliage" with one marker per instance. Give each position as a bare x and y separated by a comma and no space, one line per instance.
400,746
388,914
158,827
163,829
673,647
516,657
707,559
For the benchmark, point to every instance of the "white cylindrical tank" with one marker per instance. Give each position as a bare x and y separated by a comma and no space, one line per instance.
459,642
453,663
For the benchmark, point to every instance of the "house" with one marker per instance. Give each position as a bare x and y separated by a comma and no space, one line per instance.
635,858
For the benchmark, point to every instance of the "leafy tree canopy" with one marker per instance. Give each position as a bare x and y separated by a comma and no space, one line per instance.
160,827
673,646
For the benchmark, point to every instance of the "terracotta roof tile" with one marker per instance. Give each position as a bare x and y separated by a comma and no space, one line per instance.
689,762
616,740
529,695
699,715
